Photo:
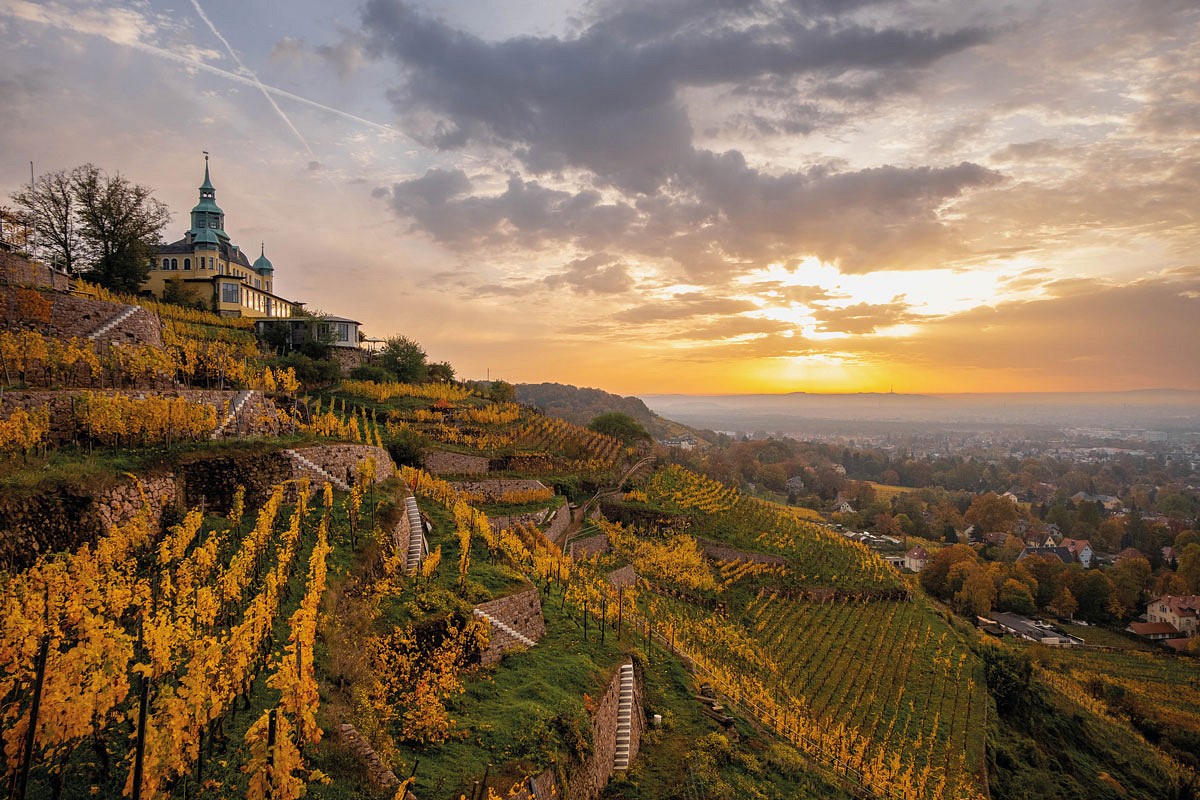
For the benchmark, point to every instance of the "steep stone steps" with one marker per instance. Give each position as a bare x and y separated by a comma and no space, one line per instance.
506,629
416,536
107,327
624,717
316,471
235,408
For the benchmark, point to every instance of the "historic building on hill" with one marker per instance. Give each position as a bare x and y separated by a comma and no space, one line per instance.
206,265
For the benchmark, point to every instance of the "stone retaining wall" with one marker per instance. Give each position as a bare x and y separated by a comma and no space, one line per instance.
623,576
589,779
342,460
21,271
66,519
559,522
443,463
379,776
591,546
522,612
348,358
72,316
122,503
724,552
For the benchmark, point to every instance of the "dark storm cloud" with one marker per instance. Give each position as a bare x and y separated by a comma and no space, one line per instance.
607,102
526,213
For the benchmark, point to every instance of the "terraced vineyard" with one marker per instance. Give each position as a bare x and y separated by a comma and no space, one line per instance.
818,556
874,684
891,670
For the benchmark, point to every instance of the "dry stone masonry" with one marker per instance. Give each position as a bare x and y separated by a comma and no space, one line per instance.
338,463
586,782
517,622
444,463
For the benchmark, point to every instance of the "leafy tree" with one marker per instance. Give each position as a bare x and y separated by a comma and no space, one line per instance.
1094,592
502,391
990,512
119,223
405,359
1015,597
441,372
1129,578
178,293
1064,605
310,371
1008,674
51,208
1189,567
934,578
623,427
978,591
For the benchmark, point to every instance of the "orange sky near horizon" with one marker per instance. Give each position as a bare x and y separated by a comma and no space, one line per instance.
651,197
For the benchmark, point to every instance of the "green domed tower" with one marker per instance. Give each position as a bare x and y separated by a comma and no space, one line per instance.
207,216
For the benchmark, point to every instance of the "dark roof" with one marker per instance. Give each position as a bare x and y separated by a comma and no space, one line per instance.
1152,628
1063,554
228,251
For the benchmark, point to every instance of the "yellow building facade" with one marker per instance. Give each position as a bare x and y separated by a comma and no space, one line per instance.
206,266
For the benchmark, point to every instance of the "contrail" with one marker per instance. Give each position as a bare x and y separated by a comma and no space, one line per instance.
253,78
28,12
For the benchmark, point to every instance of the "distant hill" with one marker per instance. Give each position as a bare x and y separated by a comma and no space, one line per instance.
581,406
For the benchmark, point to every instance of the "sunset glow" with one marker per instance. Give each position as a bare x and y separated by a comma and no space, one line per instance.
676,197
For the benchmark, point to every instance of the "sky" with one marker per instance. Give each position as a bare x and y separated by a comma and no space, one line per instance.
670,196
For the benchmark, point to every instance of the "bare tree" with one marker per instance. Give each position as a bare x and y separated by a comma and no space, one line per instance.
49,206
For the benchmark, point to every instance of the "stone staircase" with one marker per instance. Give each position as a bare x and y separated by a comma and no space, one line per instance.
316,471
235,408
624,717
508,630
417,548
108,327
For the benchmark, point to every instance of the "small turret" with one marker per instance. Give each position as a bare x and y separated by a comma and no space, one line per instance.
262,264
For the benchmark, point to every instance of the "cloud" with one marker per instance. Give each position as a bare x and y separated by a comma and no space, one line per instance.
861,318
1093,335
684,306
607,106
345,56
597,274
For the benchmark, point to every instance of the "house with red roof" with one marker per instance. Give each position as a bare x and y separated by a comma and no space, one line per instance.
1179,611
1081,549
916,559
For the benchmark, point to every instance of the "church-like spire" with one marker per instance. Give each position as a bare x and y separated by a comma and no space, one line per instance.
208,220
207,182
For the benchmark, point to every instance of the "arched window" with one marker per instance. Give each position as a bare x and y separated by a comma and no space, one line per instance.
174,263
166,263
187,263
